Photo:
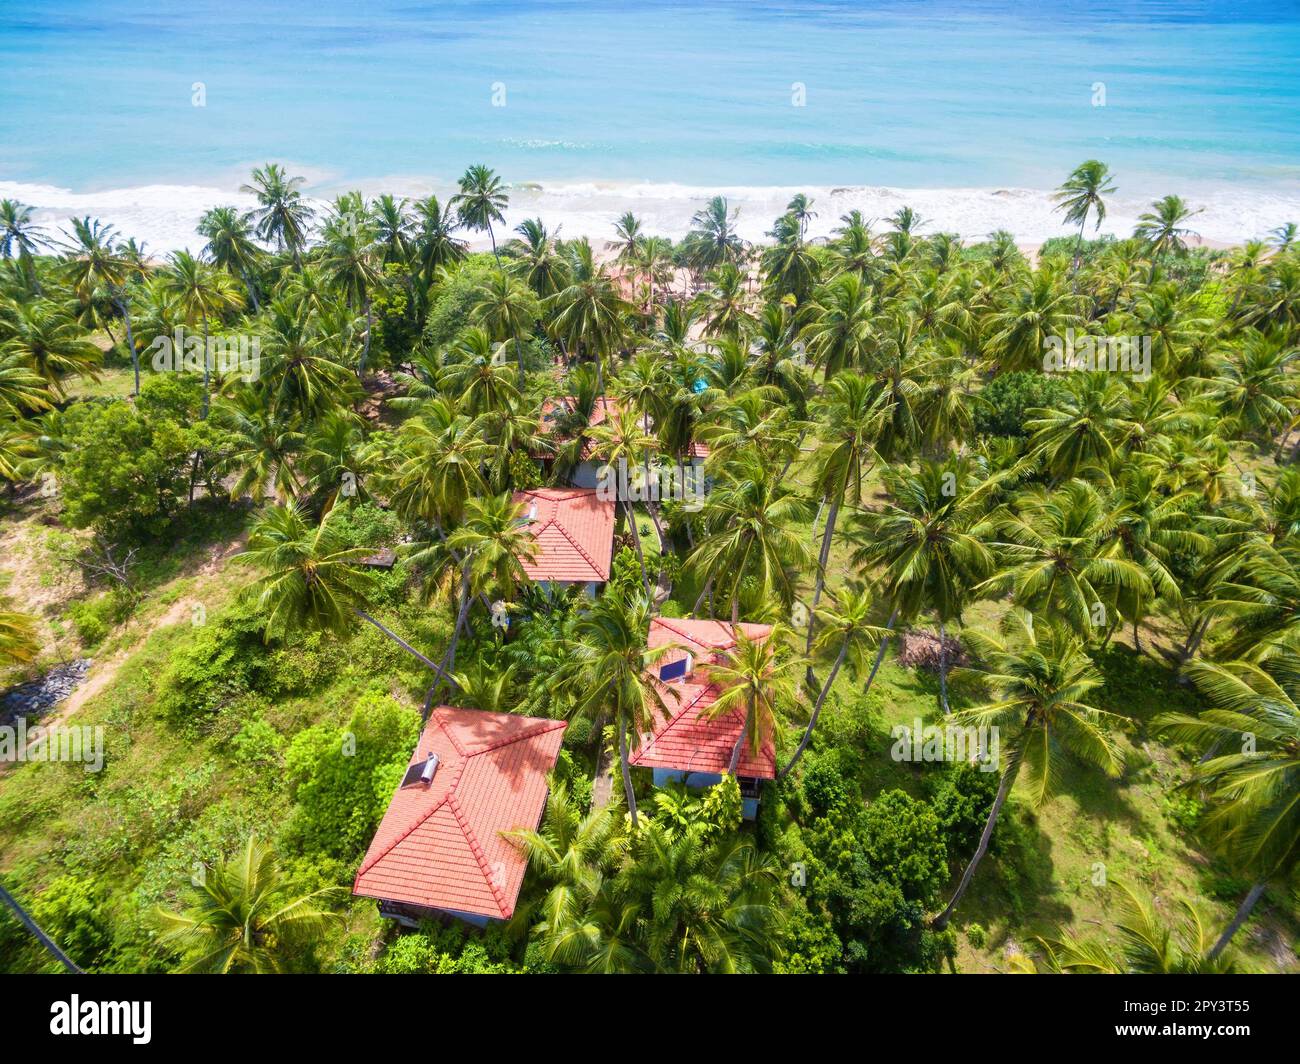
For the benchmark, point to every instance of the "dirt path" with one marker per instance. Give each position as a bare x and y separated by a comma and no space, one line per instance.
104,670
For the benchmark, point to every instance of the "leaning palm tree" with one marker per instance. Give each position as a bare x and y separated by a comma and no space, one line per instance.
1041,683
1145,943
609,671
1251,771
242,918
282,216
482,200
755,678
850,418
846,626
932,538
310,578
1081,195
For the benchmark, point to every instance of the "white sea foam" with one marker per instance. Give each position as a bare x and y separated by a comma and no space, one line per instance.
165,216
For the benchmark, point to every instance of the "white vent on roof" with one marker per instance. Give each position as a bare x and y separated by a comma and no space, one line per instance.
430,767
532,512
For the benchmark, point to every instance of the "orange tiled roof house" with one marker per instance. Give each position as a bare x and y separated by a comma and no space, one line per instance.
574,532
685,744
439,850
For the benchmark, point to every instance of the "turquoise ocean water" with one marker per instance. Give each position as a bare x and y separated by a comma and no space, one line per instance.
1199,94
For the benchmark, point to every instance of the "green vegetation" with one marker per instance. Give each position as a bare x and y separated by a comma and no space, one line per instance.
1048,508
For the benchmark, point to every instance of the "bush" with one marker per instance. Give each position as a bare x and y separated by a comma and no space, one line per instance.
962,802
343,778
903,841
1005,401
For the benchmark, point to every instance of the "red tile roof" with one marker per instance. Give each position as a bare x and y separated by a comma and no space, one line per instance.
685,739
439,845
574,529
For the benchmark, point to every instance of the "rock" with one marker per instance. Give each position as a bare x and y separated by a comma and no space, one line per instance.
39,696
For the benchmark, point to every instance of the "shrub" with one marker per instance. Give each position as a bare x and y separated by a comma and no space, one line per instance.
1005,401
343,778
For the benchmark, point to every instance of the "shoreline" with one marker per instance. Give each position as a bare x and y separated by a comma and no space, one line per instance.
164,216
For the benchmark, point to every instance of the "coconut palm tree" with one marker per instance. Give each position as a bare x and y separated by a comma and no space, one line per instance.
1145,943
505,307
243,919
282,217
299,370
756,679
230,245
610,670
713,239
849,420
1081,195
201,294
440,457
309,578
434,245
1251,769
846,626
1063,559
538,259
932,539
1041,683
477,377
263,447
48,343
841,333
350,262
95,261
750,521
1162,228
622,442
20,236
482,200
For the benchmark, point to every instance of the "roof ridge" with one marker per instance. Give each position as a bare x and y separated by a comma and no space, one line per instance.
683,709
479,856
686,635
544,724
451,789
581,550
442,723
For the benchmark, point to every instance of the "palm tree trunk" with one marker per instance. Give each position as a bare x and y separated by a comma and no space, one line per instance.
125,308
207,388
820,580
706,590
628,793
636,542
735,750
880,652
404,645
365,350
252,292
1243,911
1008,777
943,670
41,936
817,708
